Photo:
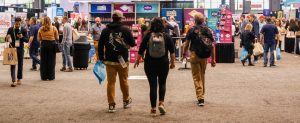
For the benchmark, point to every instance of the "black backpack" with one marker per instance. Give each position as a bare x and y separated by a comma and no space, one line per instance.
201,44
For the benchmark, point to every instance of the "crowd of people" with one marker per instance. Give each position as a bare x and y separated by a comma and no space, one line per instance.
112,42
268,31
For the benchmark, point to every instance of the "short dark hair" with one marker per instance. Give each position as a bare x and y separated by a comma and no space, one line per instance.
269,20
33,19
18,19
116,18
157,25
243,16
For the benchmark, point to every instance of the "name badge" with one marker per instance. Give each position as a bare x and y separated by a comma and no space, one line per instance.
17,43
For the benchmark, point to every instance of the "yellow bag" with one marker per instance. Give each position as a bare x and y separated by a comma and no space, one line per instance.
10,56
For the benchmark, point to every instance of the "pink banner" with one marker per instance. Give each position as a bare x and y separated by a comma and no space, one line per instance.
126,8
226,26
189,14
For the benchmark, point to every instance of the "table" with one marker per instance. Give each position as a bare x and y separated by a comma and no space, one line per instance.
225,53
289,45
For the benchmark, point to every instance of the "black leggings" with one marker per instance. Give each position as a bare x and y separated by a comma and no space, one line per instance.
250,53
156,73
48,59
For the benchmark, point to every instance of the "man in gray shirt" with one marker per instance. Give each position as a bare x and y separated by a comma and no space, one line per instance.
96,32
66,45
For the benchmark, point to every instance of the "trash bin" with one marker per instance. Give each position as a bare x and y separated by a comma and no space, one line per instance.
81,55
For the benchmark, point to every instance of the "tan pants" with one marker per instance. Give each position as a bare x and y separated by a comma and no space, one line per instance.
96,49
198,71
112,71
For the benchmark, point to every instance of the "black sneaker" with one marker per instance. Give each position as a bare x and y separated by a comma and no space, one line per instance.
265,65
272,65
33,69
201,102
112,108
126,104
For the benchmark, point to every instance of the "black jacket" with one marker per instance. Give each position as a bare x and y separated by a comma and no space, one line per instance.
109,54
248,39
14,32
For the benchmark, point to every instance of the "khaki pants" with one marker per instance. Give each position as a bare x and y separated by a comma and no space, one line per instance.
112,71
96,49
198,71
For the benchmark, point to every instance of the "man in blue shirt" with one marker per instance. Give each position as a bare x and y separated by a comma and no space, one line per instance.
34,44
268,33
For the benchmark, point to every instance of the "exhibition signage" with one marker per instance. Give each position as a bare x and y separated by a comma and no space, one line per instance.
212,18
147,8
59,11
126,8
5,23
101,8
225,26
189,14
176,12
266,12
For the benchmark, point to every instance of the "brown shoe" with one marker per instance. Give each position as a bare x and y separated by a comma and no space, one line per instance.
63,69
14,84
69,70
19,82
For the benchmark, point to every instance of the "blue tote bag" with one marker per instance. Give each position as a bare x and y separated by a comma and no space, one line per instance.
278,53
100,71
243,54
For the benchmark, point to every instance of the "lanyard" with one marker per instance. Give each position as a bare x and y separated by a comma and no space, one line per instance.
15,33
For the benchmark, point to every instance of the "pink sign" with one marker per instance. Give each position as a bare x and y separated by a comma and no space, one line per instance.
126,8
226,26
189,14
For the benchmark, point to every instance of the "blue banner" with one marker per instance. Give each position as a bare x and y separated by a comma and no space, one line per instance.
59,11
267,12
101,8
176,12
212,18
147,8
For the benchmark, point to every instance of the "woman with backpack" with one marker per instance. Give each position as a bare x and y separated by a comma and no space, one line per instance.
248,43
157,45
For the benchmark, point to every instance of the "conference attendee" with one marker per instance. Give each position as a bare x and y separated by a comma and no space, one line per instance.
293,27
248,40
255,30
33,43
78,23
261,22
269,32
16,36
117,39
167,26
47,34
58,26
156,62
95,31
66,46
243,23
281,32
173,23
84,26
199,54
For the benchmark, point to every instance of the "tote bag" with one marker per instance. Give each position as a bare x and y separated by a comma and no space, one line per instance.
243,53
100,71
10,56
258,49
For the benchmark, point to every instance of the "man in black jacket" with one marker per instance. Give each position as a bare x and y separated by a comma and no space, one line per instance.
255,30
16,36
116,39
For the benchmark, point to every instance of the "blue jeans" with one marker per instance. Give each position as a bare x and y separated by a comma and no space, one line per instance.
66,56
268,47
34,52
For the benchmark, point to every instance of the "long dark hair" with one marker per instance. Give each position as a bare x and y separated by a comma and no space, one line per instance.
157,25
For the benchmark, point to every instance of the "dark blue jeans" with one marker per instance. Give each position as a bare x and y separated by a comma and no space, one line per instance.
267,47
34,52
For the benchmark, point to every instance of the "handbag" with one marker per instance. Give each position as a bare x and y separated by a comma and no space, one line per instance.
58,47
99,71
277,54
10,56
258,49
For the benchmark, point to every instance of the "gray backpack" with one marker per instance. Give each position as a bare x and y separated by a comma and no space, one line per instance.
157,47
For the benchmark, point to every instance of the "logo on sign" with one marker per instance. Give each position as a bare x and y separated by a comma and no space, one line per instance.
228,35
101,8
147,7
171,13
229,16
214,14
124,8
